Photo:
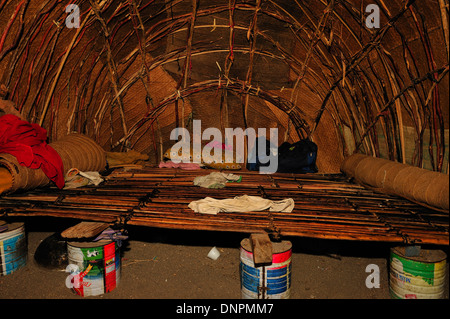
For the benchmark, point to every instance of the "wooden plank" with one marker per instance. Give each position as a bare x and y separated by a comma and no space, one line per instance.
84,230
262,249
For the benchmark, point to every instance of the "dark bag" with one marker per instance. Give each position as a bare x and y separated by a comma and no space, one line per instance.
255,166
299,157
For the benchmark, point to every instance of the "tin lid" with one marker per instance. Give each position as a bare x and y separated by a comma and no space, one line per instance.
89,244
11,230
277,247
425,255
3,227
13,226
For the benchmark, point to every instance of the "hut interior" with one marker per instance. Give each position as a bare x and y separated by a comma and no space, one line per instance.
106,83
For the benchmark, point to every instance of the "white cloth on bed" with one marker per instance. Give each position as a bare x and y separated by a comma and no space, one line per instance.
244,203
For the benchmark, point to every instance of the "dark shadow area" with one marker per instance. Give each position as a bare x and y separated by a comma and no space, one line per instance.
313,246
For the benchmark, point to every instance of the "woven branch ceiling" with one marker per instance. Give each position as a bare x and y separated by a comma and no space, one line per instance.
136,69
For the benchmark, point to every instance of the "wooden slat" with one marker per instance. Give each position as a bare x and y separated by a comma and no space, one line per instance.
326,206
261,248
84,230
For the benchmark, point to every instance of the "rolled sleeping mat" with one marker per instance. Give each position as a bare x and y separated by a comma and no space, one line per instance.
419,185
6,180
76,151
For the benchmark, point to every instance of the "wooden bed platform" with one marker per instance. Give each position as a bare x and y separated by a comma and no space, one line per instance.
326,206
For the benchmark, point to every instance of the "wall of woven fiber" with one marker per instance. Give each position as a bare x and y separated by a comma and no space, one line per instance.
135,70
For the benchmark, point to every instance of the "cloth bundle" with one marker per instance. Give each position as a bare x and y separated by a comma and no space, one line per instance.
207,161
244,203
120,159
27,142
75,178
112,234
216,180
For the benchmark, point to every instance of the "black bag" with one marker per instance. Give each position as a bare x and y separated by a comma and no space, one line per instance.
256,165
299,157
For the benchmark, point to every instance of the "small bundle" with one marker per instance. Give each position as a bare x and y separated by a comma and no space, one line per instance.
126,159
76,151
209,160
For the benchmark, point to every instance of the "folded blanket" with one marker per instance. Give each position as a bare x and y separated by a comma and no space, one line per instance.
243,203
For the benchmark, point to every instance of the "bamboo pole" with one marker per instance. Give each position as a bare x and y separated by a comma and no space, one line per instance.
316,38
377,37
113,74
444,16
187,62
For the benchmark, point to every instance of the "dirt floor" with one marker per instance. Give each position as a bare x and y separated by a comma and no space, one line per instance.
169,264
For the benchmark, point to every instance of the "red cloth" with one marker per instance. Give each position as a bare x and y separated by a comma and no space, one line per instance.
27,142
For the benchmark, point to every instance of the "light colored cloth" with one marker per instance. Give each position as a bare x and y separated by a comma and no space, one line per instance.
186,166
216,180
75,178
244,203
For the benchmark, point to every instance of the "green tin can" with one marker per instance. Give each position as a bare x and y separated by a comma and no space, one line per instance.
419,277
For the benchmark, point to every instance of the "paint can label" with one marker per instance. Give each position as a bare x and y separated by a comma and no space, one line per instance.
413,279
13,251
266,282
99,268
